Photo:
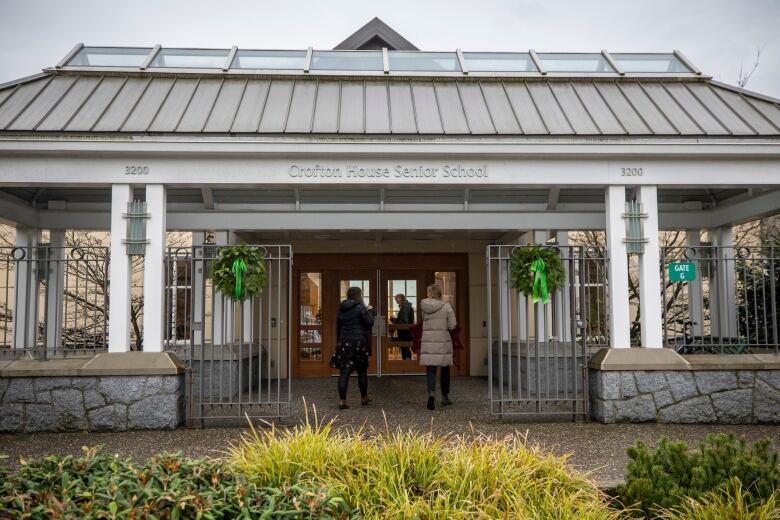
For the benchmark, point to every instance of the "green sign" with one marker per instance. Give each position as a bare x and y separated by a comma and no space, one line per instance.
682,272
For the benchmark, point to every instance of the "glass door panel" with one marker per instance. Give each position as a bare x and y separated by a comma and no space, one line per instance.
366,281
402,291
310,317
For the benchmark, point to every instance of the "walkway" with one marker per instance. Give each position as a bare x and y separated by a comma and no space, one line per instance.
398,402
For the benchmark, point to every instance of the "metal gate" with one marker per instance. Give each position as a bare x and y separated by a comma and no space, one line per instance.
237,353
539,352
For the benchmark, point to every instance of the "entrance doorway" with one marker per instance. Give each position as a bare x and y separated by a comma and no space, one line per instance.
393,284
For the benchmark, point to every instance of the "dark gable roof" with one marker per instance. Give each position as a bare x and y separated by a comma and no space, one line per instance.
66,102
375,35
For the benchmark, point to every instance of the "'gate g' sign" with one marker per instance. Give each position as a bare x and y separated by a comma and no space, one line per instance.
682,272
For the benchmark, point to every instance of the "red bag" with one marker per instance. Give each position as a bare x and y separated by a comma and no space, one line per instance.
416,330
455,337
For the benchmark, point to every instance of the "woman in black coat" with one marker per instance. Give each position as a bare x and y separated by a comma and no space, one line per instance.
353,327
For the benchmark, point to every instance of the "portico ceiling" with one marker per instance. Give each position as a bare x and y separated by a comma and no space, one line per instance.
344,197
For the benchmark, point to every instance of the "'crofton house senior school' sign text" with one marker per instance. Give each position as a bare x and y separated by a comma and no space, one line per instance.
398,172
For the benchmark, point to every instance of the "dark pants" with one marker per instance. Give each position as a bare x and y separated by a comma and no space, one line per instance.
344,382
430,379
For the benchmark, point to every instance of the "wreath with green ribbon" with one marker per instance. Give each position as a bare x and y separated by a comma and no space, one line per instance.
239,272
536,271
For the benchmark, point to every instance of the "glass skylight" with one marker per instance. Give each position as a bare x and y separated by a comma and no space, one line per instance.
272,60
190,58
372,62
109,57
499,62
632,62
424,61
586,62
347,60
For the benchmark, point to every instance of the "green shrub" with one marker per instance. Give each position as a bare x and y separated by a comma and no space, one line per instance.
98,485
663,478
409,475
734,503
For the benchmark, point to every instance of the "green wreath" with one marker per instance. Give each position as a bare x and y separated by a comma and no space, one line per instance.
239,272
536,271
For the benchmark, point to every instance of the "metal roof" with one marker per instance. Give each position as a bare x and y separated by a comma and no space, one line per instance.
65,101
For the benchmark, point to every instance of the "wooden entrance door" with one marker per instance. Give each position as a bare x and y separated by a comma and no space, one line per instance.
320,282
367,281
401,293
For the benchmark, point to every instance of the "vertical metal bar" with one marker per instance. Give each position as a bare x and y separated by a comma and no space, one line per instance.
279,334
489,264
240,305
289,328
572,324
584,356
501,331
538,361
773,268
507,315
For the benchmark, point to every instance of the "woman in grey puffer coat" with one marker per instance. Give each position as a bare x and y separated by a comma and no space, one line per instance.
436,344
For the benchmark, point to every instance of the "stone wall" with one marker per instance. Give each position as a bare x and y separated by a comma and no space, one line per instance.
95,403
659,385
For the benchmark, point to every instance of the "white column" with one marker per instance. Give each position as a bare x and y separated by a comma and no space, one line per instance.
221,322
650,319
563,295
619,317
119,276
55,281
154,268
695,299
541,332
727,282
26,286
198,238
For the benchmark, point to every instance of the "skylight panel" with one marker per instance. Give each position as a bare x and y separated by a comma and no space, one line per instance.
269,60
637,62
190,58
499,62
585,62
109,57
423,61
347,60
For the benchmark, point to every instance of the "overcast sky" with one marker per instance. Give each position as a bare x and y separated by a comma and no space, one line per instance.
716,35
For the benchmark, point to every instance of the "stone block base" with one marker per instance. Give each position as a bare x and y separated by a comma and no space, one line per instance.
105,403
691,396
107,392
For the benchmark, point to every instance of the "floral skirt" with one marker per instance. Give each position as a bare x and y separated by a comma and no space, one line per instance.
352,355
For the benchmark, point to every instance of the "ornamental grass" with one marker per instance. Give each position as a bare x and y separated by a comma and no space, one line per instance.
735,503
418,475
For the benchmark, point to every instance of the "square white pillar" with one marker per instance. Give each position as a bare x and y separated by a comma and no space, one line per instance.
198,286
154,268
541,329
222,315
651,313
619,316
119,276
55,283
723,312
695,293
26,285
563,295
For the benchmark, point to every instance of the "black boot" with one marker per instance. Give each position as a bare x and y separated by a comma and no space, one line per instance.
431,403
445,401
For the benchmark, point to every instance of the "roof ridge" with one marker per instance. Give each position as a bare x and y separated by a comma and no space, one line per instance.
26,79
744,91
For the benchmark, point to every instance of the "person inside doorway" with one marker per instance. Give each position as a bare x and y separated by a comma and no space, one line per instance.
405,316
436,343
353,331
